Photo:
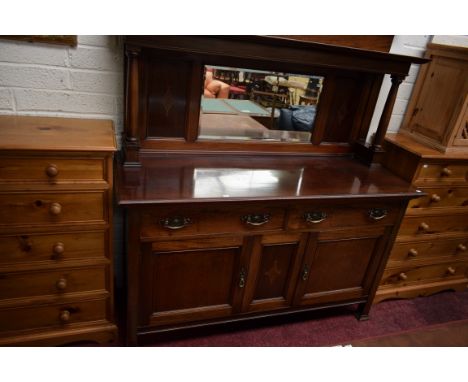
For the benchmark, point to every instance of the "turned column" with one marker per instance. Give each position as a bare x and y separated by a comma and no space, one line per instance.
132,138
386,114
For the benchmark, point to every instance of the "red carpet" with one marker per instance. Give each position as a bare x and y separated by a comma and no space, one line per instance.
340,326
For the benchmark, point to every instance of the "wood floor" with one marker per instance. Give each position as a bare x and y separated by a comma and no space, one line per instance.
447,334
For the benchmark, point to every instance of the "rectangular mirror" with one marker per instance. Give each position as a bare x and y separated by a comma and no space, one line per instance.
247,104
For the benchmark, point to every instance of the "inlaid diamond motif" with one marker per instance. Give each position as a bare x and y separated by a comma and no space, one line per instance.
168,101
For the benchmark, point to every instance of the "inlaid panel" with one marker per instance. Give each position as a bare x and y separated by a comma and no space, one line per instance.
167,97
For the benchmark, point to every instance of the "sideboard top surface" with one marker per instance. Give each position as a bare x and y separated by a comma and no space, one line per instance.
51,134
187,179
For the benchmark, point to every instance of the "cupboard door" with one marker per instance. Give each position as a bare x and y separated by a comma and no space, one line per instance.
191,280
273,269
339,266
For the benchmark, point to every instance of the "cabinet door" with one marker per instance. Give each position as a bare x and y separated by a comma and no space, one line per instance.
444,80
273,270
191,280
339,265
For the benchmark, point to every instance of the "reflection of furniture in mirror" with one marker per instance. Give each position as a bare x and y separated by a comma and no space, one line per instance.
222,230
307,100
437,114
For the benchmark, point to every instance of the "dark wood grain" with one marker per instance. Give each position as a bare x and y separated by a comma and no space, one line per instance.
222,231
379,43
168,84
168,178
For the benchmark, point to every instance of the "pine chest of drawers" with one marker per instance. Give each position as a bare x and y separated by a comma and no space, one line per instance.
430,252
56,276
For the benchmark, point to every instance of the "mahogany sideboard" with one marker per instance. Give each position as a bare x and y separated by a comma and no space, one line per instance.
225,230
430,253
56,268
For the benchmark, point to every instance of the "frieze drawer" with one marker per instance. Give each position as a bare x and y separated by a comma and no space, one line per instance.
186,221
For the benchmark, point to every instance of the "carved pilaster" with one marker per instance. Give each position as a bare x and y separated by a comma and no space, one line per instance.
132,138
386,113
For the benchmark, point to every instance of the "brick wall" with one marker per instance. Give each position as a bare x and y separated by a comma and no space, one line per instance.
53,80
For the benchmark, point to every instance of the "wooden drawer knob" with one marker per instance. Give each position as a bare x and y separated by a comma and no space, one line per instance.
64,316
412,252
424,227
61,284
450,270
58,249
52,171
446,172
435,198
402,276
55,208
461,247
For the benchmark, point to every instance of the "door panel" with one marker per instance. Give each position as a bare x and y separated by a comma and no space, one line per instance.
198,279
338,266
273,270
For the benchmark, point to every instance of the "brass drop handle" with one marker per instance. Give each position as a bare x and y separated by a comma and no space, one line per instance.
315,217
242,276
402,276
305,273
256,219
61,284
58,249
175,222
435,198
413,252
461,247
446,172
51,171
64,315
55,209
377,213
451,270
424,227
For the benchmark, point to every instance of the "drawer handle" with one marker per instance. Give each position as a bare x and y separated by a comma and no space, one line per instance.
461,247
315,217
435,198
61,284
305,273
402,276
52,171
413,252
377,213
446,172
58,249
176,222
256,219
242,276
64,316
424,227
55,209
451,271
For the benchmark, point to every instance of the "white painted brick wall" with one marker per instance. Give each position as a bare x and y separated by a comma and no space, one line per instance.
85,81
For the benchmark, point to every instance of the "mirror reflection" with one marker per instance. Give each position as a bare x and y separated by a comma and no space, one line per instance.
247,104
237,182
